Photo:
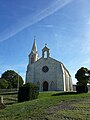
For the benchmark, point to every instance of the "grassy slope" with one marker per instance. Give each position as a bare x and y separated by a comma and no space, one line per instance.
35,109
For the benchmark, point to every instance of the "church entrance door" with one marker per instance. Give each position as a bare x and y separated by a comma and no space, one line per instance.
45,86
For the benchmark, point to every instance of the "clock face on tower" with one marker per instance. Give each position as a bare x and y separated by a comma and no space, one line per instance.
45,69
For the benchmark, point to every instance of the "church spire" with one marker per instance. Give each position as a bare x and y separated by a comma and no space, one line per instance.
34,47
33,56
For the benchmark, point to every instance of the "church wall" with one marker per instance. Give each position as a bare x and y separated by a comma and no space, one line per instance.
30,73
53,75
67,79
57,76
63,77
70,84
60,82
42,76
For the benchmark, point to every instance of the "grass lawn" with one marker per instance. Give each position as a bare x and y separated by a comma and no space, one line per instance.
49,106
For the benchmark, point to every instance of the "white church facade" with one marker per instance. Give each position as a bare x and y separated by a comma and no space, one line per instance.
48,73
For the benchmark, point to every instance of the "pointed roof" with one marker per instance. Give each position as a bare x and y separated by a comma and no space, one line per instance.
34,47
45,48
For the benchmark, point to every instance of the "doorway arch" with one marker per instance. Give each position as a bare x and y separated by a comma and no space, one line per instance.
45,86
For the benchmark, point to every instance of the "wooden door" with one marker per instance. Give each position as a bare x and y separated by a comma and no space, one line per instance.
45,86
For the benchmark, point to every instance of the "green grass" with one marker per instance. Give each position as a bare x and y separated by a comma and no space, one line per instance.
47,106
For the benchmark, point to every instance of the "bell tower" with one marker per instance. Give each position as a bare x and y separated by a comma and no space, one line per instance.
45,52
33,56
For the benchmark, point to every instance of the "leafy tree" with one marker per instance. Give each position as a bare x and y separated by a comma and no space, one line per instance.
3,84
12,78
83,75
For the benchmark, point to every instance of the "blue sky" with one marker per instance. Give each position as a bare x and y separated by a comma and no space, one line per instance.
63,24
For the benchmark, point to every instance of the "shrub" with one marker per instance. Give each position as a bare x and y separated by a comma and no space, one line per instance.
81,88
28,92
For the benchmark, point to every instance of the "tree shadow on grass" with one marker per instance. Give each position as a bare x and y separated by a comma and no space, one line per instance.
65,93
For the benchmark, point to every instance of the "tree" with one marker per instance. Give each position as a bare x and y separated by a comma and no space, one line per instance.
12,78
83,77
3,84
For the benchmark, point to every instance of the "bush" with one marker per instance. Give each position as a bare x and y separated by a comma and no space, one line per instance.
28,92
81,88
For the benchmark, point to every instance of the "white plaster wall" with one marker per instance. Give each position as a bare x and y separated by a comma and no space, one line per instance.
56,73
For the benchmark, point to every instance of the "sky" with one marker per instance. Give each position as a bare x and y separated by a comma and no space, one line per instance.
63,24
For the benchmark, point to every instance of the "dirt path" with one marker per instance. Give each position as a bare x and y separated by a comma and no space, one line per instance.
65,105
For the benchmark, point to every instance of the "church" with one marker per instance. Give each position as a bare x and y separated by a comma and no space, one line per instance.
49,73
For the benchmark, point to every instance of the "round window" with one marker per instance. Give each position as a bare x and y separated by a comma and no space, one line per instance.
45,69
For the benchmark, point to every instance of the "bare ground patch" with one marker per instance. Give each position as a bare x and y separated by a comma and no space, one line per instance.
70,110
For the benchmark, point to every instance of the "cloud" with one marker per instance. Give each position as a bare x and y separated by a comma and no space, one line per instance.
28,21
47,26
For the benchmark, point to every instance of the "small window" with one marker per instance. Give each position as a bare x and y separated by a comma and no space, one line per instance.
32,59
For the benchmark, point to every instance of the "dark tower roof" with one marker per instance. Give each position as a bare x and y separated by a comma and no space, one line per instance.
34,47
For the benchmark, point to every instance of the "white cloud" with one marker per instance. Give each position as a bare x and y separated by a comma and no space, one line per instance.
47,26
28,21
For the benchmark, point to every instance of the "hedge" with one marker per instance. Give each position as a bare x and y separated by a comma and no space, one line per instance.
28,92
81,88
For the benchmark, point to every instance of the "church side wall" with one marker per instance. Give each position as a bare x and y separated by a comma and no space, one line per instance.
63,77
60,82
70,84
67,79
